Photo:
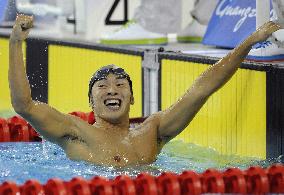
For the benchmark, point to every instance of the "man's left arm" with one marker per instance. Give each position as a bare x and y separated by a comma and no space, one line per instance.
174,119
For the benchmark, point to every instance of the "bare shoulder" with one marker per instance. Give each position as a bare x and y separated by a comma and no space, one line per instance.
152,120
77,133
150,125
79,124
148,132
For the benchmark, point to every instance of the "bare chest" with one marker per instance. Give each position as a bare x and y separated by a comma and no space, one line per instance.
138,147
132,149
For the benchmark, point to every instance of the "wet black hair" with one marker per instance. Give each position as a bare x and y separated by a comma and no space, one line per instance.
103,72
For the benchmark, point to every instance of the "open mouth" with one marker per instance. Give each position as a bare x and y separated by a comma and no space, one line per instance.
113,104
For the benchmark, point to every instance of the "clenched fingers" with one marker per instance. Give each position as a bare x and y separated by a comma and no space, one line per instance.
24,21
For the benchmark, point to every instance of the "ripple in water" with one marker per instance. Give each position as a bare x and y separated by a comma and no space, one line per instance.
41,161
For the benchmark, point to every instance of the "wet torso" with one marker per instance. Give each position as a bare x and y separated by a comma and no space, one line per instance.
100,146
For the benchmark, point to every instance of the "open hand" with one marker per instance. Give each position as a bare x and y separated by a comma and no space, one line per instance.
21,28
263,32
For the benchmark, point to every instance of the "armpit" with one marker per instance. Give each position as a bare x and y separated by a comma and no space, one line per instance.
73,138
164,139
160,144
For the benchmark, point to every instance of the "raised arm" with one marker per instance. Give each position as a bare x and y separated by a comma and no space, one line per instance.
46,120
174,119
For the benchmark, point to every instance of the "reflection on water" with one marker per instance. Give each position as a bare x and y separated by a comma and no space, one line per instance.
22,161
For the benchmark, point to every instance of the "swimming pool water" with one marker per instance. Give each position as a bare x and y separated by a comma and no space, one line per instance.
42,161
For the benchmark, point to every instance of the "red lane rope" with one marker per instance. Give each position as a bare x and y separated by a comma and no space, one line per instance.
16,129
254,180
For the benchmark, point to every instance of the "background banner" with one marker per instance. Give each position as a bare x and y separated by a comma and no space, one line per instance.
231,22
3,5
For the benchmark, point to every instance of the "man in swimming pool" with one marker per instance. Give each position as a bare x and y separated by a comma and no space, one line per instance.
110,141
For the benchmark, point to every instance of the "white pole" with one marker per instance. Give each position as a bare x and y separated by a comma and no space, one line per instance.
262,12
80,15
154,75
146,91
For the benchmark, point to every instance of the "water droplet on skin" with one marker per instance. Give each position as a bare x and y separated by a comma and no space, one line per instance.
125,159
90,156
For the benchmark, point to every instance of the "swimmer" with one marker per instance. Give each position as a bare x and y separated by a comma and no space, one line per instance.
110,141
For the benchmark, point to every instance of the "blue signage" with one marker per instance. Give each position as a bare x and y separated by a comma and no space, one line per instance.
231,23
3,7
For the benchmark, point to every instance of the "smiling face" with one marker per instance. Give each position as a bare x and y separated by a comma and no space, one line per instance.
111,98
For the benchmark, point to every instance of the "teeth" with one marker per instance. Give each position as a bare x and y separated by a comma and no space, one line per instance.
112,102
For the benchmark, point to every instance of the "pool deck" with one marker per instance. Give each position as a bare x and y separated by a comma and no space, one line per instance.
173,46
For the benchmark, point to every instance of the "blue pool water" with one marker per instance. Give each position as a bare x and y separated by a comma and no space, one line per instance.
42,161
22,161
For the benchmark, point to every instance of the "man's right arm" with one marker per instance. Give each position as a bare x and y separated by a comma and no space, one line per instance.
50,123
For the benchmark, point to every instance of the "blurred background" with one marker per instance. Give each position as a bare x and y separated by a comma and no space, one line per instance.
88,18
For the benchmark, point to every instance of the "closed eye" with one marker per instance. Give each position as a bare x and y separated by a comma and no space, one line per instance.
101,86
119,84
